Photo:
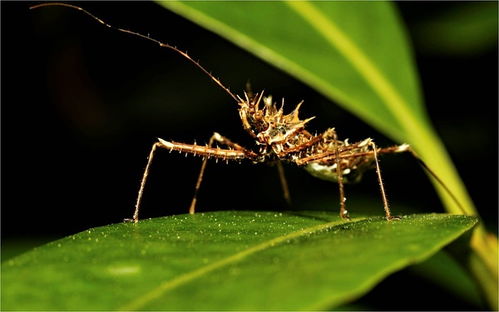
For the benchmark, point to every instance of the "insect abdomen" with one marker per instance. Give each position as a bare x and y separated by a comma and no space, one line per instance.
328,173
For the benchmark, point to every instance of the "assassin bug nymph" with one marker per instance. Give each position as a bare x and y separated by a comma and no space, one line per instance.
279,138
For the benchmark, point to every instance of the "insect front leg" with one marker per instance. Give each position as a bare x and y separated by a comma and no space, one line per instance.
135,217
204,151
216,137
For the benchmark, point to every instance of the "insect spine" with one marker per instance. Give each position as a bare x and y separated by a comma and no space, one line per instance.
278,138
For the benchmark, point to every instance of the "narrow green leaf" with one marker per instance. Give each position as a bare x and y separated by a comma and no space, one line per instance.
266,260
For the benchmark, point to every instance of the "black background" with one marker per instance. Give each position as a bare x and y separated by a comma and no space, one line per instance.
82,105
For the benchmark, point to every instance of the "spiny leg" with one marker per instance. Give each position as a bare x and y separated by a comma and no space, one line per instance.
135,218
284,182
339,174
295,149
197,150
301,147
331,156
381,186
222,140
192,207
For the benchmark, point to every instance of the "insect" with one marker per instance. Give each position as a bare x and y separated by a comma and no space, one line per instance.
278,138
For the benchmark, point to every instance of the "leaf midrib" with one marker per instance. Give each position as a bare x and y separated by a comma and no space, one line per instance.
360,61
180,280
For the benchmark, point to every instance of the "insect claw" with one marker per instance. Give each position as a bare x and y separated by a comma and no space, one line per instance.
344,215
393,218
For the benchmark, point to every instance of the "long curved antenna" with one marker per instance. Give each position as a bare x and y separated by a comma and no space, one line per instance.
434,175
161,44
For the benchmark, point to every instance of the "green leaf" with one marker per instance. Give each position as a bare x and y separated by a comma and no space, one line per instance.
12,247
223,260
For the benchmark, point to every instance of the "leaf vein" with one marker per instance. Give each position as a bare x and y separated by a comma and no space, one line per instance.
187,277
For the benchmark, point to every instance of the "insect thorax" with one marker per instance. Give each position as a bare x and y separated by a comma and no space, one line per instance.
268,124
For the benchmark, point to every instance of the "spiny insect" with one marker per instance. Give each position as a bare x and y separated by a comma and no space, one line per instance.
279,138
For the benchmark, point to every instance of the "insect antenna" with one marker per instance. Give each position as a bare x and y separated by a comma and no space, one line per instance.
161,44
434,175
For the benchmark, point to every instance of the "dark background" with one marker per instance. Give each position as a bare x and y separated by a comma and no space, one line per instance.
82,105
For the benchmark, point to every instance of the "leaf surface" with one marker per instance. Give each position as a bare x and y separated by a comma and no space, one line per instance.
223,260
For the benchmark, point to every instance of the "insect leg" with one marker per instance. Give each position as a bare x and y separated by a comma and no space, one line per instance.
222,140
380,181
192,207
339,174
135,218
197,150
301,147
284,182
